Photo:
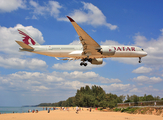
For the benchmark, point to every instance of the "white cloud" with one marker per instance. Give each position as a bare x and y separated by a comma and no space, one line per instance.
36,81
110,42
9,35
76,42
153,47
52,8
75,65
39,88
117,87
142,70
34,17
27,82
130,89
161,31
73,85
147,80
11,49
90,14
11,5
36,76
17,63
107,80
89,76
132,61
146,90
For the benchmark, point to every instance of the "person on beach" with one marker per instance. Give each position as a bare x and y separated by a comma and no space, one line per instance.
36,111
49,110
67,109
77,109
33,111
90,109
155,104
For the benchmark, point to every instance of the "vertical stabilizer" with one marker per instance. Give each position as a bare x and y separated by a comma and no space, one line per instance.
26,38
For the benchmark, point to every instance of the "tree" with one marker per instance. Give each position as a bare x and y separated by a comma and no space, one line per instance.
149,98
157,98
128,99
97,97
135,99
122,97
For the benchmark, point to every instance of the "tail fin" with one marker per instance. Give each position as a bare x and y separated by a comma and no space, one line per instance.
26,38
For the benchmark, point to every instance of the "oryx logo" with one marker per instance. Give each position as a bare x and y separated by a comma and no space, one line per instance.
26,39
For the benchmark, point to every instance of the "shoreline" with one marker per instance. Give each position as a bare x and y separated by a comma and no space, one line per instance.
72,115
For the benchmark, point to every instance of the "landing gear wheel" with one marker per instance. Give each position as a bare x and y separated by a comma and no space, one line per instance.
90,60
81,63
85,64
139,59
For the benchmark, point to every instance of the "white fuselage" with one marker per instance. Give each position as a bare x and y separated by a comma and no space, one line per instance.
75,51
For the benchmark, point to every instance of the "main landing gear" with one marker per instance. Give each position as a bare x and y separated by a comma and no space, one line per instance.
85,59
139,59
82,63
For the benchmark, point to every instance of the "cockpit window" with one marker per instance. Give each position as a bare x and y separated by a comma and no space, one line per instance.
142,49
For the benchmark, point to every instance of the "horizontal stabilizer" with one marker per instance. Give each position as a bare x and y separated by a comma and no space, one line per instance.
24,46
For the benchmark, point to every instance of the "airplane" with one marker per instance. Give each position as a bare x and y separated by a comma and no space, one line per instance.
89,50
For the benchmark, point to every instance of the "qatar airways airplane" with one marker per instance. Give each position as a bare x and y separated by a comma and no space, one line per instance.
89,50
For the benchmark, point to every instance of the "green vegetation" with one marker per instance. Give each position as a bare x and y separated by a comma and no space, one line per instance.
130,109
117,109
96,97
89,97
135,98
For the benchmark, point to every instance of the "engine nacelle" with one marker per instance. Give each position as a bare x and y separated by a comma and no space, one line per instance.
97,61
107,51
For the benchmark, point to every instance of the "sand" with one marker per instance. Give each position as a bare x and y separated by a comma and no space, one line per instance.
82,115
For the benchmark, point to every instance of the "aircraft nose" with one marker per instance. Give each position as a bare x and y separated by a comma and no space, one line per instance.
145,53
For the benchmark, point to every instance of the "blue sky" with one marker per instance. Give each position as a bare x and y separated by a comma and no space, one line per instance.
29,79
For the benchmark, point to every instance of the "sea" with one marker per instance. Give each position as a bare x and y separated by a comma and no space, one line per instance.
4,110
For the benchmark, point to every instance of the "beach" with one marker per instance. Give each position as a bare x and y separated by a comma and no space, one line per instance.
82,115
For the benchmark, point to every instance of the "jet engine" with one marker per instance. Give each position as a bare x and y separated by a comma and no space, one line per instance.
97,61
107,51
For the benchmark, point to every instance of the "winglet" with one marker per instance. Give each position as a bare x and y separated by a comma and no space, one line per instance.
71,20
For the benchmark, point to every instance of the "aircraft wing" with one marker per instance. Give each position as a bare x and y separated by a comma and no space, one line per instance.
90,46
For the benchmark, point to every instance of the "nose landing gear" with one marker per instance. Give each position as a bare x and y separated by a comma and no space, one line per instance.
139,59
